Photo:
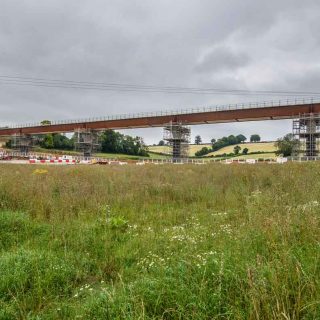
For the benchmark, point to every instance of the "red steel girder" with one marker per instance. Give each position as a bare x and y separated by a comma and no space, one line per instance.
249,114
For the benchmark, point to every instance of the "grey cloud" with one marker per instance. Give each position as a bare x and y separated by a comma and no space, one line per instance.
221,59
310,79
243,44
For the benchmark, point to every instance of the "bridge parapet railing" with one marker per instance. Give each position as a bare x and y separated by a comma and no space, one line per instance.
239,106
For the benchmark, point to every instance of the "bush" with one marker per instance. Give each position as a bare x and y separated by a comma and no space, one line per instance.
202,152
118,223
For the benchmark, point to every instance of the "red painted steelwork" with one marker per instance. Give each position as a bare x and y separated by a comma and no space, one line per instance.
250,114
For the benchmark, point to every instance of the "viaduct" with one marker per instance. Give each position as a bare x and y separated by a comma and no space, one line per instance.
304,110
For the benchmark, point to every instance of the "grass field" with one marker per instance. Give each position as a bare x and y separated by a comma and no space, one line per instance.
2,142
253,147
119,156
160,242
257,156
127,156
193,148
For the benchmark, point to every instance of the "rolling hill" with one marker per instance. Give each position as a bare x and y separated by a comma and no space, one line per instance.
193,148
253,147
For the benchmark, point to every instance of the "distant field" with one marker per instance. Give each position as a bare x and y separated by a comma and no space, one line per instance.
253,147
3,141
127,156
102,155
256,156
193,148
160,242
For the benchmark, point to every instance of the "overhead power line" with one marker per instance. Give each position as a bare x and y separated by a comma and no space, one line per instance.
101,86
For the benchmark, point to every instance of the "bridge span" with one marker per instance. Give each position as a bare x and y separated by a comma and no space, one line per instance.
273,110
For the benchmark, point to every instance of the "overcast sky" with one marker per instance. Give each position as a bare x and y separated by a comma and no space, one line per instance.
233,44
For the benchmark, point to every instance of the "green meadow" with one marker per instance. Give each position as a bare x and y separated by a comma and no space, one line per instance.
160,242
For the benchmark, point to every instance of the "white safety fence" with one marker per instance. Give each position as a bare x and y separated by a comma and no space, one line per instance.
42,158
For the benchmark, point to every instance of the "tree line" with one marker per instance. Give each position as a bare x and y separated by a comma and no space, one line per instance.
287,145
111,142
224,142
116,142
253,138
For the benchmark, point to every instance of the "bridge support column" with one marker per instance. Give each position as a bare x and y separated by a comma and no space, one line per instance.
86,141
22,143
177,136
306,129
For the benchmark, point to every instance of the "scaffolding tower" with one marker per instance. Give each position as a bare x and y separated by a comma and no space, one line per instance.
306,129
22,143
87,141
177,136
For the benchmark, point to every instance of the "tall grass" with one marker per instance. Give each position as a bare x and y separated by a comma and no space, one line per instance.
160,242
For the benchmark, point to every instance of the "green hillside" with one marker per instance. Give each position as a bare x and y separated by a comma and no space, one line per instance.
193,148
253,147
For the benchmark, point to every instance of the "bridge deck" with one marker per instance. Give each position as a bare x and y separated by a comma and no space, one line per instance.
232,113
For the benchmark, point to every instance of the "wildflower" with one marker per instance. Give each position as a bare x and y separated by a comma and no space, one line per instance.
220,213
255,193
40,171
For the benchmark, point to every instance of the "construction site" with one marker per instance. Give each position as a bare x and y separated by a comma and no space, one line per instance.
304,114
159,160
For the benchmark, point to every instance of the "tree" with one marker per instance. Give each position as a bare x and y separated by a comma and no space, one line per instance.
111,142
245,151
241,138
236,149
47,141
8,144
197,140
287,145
161,143
45,122
62,142
202,152
232,140
255,138
115,142
213,141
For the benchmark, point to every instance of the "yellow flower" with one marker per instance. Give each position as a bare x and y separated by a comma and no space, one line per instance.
40,171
